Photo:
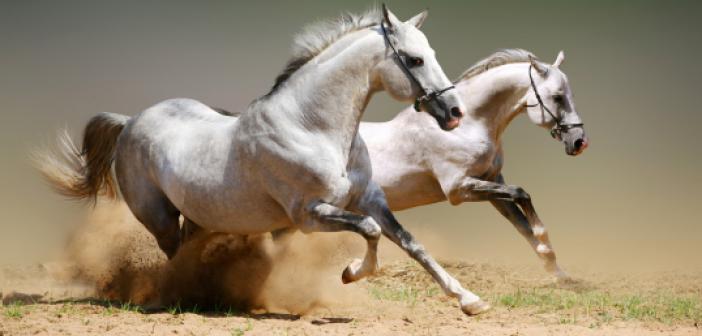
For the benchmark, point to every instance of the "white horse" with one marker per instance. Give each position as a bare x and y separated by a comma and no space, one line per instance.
294,159
416,163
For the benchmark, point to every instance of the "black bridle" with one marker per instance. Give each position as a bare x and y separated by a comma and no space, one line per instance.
559,127
426,96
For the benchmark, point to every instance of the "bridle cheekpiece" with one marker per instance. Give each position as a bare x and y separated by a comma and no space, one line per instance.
426,95
559,127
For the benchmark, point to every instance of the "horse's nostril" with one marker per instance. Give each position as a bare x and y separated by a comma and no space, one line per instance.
578,144
456,112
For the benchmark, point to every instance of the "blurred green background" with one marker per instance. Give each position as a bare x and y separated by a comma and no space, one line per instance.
629,202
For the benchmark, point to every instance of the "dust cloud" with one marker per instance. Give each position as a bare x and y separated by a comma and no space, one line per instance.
111,256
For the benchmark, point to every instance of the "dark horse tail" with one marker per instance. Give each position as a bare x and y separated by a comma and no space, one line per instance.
86,173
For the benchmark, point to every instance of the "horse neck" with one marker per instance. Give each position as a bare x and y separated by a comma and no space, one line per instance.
495,97
330,93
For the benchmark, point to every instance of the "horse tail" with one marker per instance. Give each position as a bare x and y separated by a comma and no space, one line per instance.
86,173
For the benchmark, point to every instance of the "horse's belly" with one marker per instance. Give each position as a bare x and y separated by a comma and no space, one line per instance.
250,219
222,198
235,212
411,191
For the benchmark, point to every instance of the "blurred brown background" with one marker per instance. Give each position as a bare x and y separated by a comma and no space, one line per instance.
630,202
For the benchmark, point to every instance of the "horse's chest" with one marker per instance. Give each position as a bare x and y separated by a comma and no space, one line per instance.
479,157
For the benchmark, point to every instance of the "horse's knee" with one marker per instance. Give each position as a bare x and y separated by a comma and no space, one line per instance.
519,194
371,229
456,196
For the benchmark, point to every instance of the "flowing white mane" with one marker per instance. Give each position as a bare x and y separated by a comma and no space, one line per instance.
501,57
316,37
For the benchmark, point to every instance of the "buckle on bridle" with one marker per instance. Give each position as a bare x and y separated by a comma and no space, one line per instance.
429,97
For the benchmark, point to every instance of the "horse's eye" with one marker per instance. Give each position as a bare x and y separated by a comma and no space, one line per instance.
558,99
414,62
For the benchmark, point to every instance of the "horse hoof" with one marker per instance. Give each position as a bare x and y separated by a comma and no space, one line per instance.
475,308
346,276
349,275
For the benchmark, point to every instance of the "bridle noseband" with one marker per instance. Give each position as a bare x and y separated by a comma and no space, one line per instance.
426,96
559,127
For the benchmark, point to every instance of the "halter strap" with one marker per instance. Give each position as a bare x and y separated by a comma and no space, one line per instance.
426,96
559,127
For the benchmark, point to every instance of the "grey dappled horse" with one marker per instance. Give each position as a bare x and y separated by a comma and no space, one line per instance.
293,159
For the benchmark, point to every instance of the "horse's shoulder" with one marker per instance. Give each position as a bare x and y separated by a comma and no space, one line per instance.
470,151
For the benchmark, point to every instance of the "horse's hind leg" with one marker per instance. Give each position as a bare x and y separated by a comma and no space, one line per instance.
374,203
160,217
324,217
188,230
145,199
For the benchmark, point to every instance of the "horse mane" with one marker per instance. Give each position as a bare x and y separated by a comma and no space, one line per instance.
500,57
317,37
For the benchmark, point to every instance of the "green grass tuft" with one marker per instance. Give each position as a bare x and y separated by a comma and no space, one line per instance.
175,309
603,306
402,293
128,306
14,310
109,310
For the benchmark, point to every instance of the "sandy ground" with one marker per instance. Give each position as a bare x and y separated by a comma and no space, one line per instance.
374,308
89,319
228,285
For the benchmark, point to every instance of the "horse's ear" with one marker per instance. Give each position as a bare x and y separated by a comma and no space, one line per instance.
418,20
559,59
391,21
540,68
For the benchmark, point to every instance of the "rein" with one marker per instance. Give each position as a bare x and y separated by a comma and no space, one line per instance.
559,127
426,96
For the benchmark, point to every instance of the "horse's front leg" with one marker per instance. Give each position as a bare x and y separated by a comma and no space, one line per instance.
508,200
375,204
324,217
515,215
